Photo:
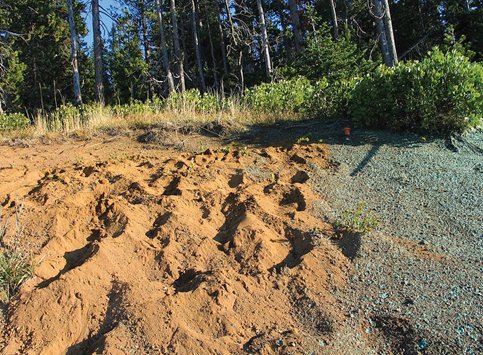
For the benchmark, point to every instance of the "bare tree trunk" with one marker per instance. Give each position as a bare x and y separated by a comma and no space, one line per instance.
73,36
237,47
297,29
98,67
389,33
381,30
144,28
197,47
265,49
230,20
184,51
177,50
212,51
242,76
334,19
169,75
226,74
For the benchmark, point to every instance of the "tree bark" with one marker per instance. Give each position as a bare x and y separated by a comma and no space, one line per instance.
381,30
297,29
226,73
334,19
265,48
177,50
74,48
196,39
391,43
212,51
98,67
169,75
144,28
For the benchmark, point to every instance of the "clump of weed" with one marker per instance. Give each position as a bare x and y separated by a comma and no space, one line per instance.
304,139
15,265
358,221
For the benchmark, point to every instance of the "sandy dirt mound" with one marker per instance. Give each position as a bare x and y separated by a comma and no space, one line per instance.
154,251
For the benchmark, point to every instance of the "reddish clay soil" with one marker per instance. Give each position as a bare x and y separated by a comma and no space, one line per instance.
142,248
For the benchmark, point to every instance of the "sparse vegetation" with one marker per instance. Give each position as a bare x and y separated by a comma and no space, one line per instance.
358,221
15,265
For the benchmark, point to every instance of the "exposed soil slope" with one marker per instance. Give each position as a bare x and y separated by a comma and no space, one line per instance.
145,247
156,251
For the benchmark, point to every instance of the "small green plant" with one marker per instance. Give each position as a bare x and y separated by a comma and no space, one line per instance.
357,221
118,157
273,178
190,167
226,149
304,139
15,266
78,160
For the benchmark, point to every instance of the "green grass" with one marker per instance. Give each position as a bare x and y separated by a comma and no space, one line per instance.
15,268
15,265
358,221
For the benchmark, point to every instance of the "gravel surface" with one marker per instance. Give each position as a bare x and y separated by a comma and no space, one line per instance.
417,287
419,276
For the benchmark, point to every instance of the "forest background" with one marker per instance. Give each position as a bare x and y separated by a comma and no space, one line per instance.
407,64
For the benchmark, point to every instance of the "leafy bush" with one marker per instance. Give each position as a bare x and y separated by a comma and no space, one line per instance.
442,93
284,96
9,121
64,117
193,100
331,100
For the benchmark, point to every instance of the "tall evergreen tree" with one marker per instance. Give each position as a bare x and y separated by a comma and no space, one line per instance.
125,60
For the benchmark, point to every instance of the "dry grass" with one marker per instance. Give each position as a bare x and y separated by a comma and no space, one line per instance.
95,118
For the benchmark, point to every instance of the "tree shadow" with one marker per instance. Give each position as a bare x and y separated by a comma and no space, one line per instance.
330,132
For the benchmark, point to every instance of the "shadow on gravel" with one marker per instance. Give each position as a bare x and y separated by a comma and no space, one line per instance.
349,243
331,132
366,159
401,335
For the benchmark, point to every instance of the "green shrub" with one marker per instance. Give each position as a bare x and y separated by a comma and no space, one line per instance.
284,96
331,100
193,100
335,60
64,117
442,93
358,221
9,121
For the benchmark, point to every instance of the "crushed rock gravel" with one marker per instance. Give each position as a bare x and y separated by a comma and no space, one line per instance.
419,276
